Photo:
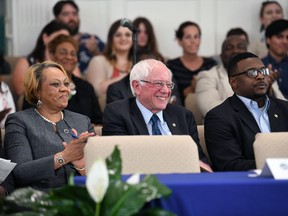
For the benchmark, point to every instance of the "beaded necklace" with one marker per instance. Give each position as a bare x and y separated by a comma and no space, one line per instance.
48,119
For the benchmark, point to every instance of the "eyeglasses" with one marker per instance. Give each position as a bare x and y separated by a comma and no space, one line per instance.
65,53
252,73
160,84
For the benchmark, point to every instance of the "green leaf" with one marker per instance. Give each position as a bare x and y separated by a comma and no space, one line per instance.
69,200
52,212
153,183
124,199
114,164
72,200
27,197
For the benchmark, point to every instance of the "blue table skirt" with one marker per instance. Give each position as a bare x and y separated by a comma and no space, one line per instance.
229,193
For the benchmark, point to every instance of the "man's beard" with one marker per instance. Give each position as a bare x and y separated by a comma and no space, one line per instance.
74,31
260,95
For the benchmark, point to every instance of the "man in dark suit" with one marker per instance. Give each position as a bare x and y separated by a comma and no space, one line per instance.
230,128
151,83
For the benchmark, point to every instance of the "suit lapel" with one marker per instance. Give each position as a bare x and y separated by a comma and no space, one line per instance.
171,120
275,116
137,118
244,114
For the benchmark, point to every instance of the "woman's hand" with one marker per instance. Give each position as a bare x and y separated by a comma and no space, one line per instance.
79,165
74,150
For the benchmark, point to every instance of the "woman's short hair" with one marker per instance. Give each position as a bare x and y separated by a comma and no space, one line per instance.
180,31
34,78
52,46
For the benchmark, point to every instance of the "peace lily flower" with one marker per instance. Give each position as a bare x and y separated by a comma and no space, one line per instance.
97,182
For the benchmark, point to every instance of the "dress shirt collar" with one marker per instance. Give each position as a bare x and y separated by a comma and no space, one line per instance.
147,114
250,104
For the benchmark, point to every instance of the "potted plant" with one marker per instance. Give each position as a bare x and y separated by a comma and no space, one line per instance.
105,194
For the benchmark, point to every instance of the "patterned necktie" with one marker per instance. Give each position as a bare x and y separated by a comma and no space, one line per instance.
155,128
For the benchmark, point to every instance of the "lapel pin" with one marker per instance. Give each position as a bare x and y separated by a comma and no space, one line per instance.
174,125
275,115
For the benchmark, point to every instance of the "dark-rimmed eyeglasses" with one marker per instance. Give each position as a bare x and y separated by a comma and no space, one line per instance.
252,73
160,84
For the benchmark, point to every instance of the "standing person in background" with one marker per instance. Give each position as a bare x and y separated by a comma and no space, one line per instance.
116,61
186,67
269,12
40,53
66,11
146,39
277,44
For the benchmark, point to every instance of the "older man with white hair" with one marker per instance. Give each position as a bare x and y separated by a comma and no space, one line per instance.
149,112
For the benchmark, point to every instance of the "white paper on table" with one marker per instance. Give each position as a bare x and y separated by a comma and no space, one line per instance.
6,166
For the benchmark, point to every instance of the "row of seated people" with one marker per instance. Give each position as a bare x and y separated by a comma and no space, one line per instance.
116,60
116,65
210,87
40,139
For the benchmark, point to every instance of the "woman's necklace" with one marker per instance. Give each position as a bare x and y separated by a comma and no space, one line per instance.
123,68
48,119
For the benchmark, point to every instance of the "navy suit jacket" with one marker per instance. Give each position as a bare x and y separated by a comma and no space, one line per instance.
230,131
123,117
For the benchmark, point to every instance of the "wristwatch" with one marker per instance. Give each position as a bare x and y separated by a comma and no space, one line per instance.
60,160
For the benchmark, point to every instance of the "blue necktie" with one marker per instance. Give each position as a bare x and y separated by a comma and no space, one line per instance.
155,128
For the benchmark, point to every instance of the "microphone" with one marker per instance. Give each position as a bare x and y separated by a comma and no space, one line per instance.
127,23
